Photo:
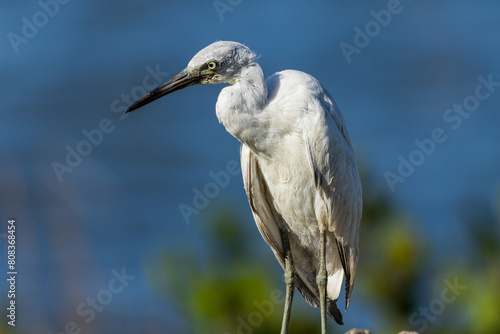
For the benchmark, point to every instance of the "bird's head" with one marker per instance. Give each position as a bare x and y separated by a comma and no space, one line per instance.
220,62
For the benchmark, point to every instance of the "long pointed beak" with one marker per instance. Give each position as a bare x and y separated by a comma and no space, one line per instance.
182,80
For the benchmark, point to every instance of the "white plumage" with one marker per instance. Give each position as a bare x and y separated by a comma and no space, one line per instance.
298,165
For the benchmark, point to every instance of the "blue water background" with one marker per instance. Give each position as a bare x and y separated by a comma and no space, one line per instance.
119,208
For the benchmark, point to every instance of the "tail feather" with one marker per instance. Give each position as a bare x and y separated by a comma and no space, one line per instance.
333,311
313,300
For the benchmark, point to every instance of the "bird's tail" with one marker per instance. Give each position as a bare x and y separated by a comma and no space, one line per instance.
313,300
333,311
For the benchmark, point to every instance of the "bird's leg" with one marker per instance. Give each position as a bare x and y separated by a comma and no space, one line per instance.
289,280
321,281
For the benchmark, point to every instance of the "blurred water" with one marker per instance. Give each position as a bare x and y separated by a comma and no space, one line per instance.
119,207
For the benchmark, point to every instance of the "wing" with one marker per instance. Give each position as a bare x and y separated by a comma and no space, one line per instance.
268,221
333,165
263,211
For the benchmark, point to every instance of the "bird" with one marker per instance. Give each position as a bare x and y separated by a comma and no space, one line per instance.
298,166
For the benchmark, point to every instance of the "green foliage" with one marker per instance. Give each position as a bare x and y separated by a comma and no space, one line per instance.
230,287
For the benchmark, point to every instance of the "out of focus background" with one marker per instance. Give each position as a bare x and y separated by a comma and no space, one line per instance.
141,224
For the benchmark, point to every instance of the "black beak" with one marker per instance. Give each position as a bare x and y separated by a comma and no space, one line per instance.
180,81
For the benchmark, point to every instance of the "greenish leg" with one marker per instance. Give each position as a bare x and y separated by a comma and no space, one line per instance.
321,281
290,282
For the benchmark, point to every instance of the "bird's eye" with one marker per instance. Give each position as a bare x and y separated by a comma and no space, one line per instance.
212,65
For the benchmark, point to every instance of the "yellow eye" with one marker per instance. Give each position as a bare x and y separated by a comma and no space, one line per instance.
211,65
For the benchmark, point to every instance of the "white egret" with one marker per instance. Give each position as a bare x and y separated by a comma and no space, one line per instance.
298,166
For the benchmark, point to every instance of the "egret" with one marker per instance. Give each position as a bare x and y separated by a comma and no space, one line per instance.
298,166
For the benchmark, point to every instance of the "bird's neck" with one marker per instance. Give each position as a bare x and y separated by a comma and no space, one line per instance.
241,109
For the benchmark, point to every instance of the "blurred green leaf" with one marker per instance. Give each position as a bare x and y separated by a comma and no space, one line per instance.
228,289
